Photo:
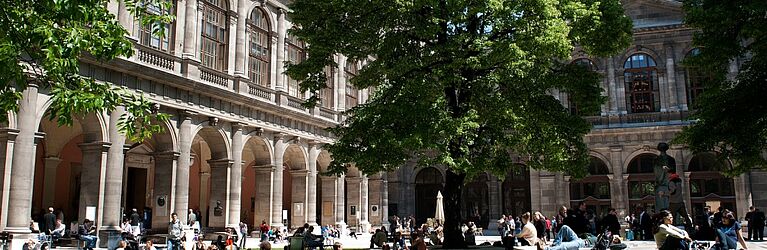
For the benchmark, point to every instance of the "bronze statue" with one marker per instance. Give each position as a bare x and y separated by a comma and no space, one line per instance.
660,169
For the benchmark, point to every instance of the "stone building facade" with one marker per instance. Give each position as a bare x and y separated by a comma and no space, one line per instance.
650,95
239,145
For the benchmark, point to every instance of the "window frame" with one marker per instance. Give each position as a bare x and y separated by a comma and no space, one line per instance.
636,72
146,35
263,59
220,56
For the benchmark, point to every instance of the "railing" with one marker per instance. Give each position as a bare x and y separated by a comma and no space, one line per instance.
631,120
295,103
215,77
327,113
155,57
260,91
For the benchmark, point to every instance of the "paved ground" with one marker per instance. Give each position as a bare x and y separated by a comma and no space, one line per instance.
363,242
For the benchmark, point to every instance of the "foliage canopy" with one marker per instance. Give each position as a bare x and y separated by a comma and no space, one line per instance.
41,43
731,114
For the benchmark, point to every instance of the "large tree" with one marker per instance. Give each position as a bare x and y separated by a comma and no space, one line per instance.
41,43
731,115
460,83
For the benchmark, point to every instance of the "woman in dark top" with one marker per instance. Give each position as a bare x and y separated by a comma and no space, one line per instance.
540,225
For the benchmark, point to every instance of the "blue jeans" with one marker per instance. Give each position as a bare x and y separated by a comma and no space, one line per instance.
174,244
726,242
566,239
90,240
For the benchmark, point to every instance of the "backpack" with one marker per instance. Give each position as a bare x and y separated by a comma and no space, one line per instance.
602,242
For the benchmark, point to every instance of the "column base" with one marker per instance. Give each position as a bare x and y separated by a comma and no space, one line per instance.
19,239
108,238
364,227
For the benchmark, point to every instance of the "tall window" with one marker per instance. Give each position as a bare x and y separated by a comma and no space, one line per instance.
296,55
641,76
327,94
707,184
695,80
214,27
351,91
258,56
571,104
594,189
147,36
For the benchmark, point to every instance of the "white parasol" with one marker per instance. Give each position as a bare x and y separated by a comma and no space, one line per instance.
439,215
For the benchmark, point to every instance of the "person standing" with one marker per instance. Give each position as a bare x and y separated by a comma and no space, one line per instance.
134,218
243,234
192,218
751,226
759,220
645,222
610,222
174,232
49,222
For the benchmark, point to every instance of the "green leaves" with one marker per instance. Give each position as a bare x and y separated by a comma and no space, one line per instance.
42,43
730,116
460,83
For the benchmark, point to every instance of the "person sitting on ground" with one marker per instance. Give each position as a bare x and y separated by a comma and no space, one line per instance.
219,243
667,236
418,243
150,246
199,245
728,233
311,240
528,236
121,245
59,231
566,239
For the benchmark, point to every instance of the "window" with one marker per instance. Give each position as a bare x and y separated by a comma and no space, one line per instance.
258,55
642,164
296,55
571,104
351,91
147,36
327,94
214,27
641,77
695,80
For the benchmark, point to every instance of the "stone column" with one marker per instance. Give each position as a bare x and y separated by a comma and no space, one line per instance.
615,189
126,19
94,163
240,44
204,196
625,193
180,28
340,206
280,84
190,33
613,89
385,200
279,151
220,177
329,189
113,179
298,197
233,30
311,204
49,182
341,80
23,165
673,103
235,181
686,188
352,199
263,194
495,202
7,137
364,205
567,190
181,186
164,186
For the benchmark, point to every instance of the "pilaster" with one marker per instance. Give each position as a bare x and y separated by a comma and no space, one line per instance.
218,203
191,32
353,198
311,204
280,145
92,177
7,141
235,179
49,181
299,197
328,199
164,187
264,193
281,25
364,205
340,197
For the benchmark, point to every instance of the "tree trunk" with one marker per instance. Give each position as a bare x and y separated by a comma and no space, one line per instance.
452,202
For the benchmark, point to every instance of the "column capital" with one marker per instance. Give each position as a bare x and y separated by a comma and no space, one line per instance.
567,178
220,163
616,148
625,177
52,161
167,155
237,126
687,175
299,173
8,134
94,146
265,168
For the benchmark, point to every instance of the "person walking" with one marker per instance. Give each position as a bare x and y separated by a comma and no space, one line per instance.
750,221
174,232
134,218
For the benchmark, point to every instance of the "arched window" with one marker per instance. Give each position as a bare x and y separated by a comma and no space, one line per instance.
641,181
296,55
213,50
352,93
641,77
516,194
328,93
428,182
147,36
588,64
594,189
695,80
258,55
708,185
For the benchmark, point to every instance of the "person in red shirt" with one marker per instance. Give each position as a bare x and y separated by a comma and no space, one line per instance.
264,228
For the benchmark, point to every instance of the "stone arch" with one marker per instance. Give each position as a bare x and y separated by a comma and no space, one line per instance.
257,151
603,159
271,17
646,149
418,170
217,141
639,49
323,161
428,181
295,157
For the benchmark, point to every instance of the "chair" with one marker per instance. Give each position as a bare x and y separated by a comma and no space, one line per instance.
296,243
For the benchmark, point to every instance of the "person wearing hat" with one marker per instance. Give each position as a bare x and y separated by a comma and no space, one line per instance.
676,200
